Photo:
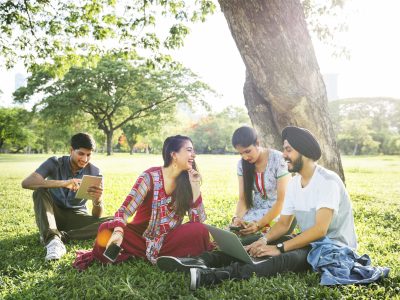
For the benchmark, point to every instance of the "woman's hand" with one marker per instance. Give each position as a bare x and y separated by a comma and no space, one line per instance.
236,221
195,181
249,228
116,237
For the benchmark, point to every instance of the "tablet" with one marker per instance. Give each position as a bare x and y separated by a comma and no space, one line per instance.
86,182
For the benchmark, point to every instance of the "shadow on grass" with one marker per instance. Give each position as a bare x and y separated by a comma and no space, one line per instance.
25,275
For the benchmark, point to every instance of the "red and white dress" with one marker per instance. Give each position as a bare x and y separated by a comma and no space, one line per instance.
156,229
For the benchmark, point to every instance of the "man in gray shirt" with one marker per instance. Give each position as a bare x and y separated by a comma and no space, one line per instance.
59,215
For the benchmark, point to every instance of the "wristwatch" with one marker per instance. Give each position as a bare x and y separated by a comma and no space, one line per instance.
281,247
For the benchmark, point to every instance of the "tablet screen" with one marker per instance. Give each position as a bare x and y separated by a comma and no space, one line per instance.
86,182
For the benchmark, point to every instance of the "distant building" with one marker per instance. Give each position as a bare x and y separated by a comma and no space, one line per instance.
19,80
331,84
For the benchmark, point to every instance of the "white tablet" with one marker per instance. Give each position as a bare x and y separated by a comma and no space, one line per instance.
86,182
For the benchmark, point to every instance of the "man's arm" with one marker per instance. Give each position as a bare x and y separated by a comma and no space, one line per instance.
276,231
323,219
36,181
280,227
97,193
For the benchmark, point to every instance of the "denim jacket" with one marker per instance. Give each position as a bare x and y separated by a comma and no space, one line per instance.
339,264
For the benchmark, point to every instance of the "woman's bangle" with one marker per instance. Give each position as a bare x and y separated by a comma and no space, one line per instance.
258,225
118,232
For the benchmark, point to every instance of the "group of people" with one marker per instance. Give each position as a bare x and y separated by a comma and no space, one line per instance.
271,202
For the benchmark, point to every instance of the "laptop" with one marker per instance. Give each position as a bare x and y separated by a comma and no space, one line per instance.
229,243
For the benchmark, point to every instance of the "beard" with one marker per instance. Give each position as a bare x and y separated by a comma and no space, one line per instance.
297,164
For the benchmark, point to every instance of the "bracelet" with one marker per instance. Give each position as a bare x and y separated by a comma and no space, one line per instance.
99,204
264,238
118,232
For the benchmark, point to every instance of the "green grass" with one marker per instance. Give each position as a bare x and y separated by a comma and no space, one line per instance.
373,183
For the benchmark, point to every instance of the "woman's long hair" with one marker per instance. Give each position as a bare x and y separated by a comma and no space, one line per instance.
245,136
183,193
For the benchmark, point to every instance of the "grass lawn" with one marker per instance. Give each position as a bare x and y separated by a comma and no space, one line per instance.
373,183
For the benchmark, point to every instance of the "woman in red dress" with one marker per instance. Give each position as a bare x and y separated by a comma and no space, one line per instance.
160,199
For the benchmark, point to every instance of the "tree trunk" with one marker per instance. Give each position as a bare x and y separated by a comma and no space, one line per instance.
109,136
355,150
283,82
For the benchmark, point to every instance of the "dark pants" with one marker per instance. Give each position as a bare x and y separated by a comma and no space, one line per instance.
62,222
293,261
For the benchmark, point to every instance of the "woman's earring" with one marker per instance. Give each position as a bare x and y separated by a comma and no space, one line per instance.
175,165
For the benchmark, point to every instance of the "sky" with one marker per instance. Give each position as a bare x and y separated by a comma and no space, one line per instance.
372,70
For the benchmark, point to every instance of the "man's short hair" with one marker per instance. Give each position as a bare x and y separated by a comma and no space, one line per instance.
83,140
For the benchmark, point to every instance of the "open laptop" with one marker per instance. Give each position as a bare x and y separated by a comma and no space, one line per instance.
229,243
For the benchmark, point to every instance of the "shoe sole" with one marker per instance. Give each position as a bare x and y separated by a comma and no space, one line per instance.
172,264
193,279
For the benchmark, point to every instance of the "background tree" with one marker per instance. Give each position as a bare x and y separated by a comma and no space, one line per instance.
144,127
14,132
54,136
62,30
213,133
356,137
283,82
367,125
113,93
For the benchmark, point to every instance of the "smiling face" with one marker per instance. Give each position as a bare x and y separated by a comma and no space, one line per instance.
184,158
293,158
249,154
80,157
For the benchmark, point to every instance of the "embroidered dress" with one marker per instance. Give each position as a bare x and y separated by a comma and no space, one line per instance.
156,229
265,185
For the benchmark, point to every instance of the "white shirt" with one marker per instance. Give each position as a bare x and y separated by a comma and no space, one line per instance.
325,189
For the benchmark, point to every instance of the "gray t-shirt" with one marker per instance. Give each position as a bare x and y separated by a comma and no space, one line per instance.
60,169
325,189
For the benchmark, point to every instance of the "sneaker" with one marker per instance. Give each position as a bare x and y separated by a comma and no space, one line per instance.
55,249
181,264
206,277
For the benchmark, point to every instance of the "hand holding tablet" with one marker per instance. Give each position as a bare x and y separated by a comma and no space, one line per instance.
86,187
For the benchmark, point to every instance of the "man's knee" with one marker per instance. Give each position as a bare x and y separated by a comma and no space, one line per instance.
40,194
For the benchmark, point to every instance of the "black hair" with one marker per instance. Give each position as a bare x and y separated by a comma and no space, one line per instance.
83,140
245,136
183,194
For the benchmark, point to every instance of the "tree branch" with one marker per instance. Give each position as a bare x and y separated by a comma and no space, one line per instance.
29,19
132,116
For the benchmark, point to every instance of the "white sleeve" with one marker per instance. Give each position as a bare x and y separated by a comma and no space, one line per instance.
288,203
329,196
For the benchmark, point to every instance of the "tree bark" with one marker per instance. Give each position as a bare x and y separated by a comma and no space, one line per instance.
283,81
109,136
